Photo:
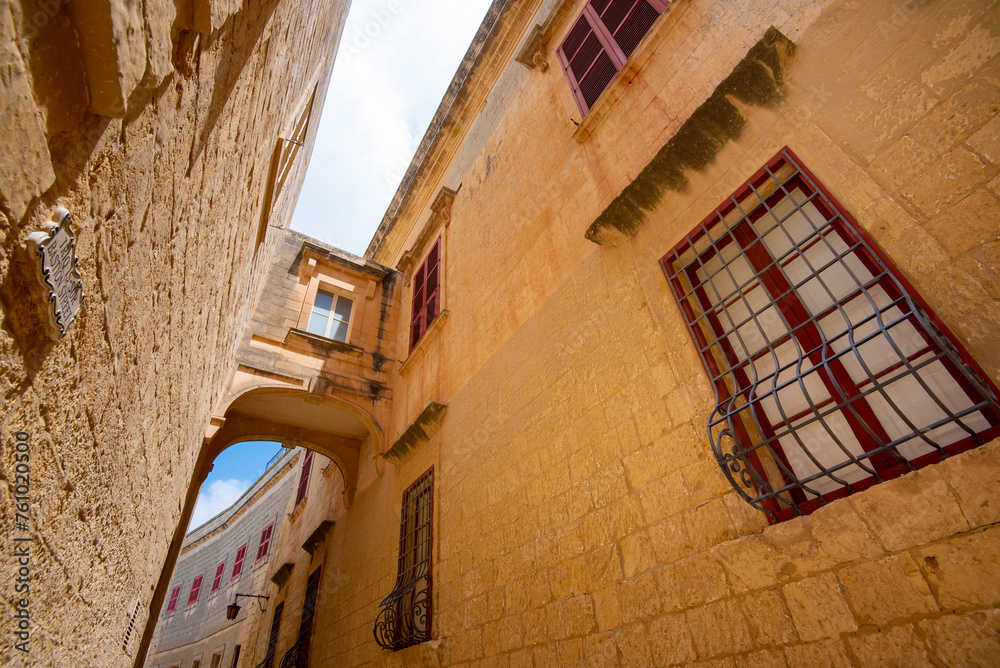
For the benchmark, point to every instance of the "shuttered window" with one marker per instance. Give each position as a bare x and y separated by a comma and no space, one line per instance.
426,294
265,542
272,640
304,478
195,589
600,42
830,373
218,577
174,595
238,564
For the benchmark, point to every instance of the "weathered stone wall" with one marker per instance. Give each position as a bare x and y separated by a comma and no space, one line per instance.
581,517
161,141
198,630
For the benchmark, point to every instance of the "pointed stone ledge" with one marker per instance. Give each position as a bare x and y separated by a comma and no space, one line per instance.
757,80
316,538
418,433
281,575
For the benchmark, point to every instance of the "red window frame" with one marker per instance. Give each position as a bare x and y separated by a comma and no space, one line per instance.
426,304
304,478
265,541
195,589
238,564
217,582
744,391
175,593
602,39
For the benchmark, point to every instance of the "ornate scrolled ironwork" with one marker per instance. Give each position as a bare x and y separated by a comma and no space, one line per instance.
297,656
404,615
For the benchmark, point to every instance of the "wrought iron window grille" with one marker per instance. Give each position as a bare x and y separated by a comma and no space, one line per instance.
830,372
404,617
297,656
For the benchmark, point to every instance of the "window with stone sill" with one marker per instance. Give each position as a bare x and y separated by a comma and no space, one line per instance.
304,478
331,316
602,39
404,617
174,595
218,577
195,589
238,564
265,542
426,305
831,374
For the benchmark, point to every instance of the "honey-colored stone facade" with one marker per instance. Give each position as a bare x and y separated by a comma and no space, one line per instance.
160,126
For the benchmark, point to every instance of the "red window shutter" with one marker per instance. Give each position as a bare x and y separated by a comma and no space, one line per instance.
426,294
601,40
238,564
174,595
218,577
304,480
195,590
265,542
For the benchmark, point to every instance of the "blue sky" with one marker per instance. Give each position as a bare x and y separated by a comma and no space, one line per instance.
396,60
232,474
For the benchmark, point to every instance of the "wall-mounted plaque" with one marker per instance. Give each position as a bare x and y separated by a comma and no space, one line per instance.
54,250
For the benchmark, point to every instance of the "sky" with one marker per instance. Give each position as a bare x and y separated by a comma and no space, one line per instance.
232,474
396,60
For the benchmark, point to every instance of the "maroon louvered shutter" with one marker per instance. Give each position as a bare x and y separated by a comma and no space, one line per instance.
426,294
601,40
304,480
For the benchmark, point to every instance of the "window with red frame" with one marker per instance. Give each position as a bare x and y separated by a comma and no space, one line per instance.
830,372
265,541
174,595
304,478
195,589
600,42
426,294
218,577
238,564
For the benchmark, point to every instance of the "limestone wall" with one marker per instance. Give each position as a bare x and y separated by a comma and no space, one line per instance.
581,517
161,140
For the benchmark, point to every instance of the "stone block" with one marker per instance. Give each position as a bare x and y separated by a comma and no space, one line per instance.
986,142
975,478
765,658
948,180
770,622
967,225
897,647
751,563
638,598
600,650
965,571
663,498
842,535
210,15
709,524
911,510
641,468
25,167
719,628
637,554
889,589
818,607
607,611
705,480
633,645
694,581
670,641
824,654
112,38
964,640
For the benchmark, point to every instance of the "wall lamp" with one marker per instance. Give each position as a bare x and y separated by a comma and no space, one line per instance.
233,608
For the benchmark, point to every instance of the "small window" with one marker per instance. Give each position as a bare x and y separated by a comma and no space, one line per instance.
238,564
331,316
272,641
218,577
195,589
304,478
830,373
265,542
404,617
600,42
426,294
174,595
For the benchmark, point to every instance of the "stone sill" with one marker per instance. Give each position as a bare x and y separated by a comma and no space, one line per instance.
418,433
431,333
307,342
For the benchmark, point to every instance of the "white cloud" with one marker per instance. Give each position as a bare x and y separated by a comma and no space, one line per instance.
396,60
215,498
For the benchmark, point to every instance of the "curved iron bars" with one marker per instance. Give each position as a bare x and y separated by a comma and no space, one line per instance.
404,615
810,338
297,656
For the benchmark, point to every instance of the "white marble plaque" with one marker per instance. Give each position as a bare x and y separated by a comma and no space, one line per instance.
54,250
